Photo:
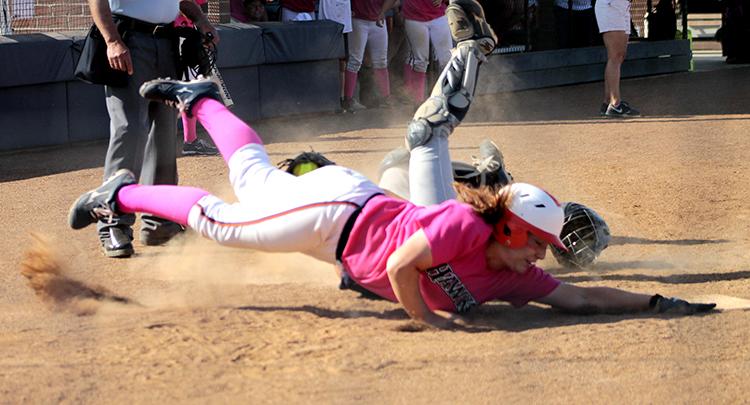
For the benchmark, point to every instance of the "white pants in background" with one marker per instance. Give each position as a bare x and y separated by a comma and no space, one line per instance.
367,34
420,34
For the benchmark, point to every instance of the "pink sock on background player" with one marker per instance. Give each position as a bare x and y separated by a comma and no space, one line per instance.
350,83
383,82
228,132
164,201
419,79
408,80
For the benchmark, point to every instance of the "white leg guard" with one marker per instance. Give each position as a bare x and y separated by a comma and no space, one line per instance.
450,98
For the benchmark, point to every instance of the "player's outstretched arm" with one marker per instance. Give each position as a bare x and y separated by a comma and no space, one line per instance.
598,300
404,268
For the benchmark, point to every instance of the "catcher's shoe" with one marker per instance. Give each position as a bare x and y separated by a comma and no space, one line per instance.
491,165
466,21
180,94
99,203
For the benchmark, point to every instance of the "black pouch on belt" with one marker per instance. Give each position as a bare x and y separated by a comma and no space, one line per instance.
93,65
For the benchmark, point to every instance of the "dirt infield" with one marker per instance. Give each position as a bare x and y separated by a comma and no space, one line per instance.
217,325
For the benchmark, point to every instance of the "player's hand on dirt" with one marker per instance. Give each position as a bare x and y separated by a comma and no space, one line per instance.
673,305
444,320
118,55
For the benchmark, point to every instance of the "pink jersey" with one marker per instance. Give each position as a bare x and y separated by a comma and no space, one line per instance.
366,9
299,6
422,10
458,238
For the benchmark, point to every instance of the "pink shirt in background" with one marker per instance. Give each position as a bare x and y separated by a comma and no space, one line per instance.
458,238
422,10
237,11
366,9
299,6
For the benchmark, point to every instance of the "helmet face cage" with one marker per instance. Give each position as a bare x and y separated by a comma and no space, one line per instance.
584,233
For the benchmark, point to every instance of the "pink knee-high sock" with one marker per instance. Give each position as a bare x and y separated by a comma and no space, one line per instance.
350,83
164,201
419,79
228,132
408,80
383,81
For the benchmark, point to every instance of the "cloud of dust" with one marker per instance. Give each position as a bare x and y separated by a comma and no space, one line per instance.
205,273
46,276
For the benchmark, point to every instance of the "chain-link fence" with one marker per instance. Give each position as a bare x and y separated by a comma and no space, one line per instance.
28,16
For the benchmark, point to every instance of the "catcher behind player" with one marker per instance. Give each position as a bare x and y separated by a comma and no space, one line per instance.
437,261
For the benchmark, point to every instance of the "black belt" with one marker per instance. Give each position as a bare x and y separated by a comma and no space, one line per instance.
344,238
127,24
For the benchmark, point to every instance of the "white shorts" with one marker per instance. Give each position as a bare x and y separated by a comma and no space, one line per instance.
279,212
613,15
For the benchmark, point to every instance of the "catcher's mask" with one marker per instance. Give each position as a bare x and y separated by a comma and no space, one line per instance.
584,234
531,210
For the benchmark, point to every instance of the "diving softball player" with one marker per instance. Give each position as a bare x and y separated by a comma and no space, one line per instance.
435,261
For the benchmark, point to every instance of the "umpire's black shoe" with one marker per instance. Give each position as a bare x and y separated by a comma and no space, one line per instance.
161,235
180,94
117,242
99,203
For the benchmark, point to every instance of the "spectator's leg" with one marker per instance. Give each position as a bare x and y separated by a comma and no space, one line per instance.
616,43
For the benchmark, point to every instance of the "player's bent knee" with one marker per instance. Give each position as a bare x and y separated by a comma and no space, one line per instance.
418,133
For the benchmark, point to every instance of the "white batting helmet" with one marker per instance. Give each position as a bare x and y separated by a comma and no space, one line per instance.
531,210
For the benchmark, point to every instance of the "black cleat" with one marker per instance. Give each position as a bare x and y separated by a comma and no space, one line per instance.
180,94
118,242
99,203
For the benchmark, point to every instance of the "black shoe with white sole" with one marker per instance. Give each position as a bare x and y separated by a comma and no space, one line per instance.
180,94
99,203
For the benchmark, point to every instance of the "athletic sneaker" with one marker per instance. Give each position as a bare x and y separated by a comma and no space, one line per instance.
99,203
351,106
622,110
117,242
491,165
199,148
180,94
603,109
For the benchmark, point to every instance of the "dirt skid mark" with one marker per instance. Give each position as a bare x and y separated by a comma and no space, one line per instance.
46,276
